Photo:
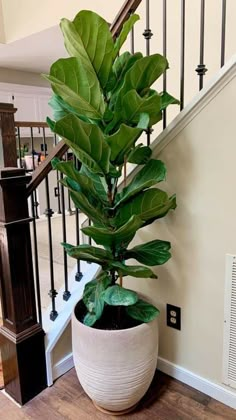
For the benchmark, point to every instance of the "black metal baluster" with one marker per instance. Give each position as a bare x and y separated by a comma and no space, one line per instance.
19,145
79,274
66,294
164,53
201,68
36,203
90,239
58,189
147,35
223,27
147,32
182,54
132,40
69,199
48,213
36,262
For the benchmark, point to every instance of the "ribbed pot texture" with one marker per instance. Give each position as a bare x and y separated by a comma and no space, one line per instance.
115,368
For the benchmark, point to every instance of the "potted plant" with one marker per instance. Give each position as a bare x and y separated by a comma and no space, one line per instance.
102,103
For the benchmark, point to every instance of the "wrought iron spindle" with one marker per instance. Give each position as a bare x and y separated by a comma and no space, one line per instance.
79,274
164,53
19,145
147,32
36,262
66,294
48,213
132,40
182,54
90,239
69,199
147,35
223,28
201,68
58,189
36,203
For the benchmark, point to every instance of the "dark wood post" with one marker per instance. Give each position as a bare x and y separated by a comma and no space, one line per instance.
21,336
8,154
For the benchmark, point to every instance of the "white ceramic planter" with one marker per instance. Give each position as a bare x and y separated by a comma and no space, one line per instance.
115,368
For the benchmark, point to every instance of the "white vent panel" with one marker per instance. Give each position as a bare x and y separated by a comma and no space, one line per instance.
229,356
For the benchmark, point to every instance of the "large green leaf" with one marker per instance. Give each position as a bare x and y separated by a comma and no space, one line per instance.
119,296
152,173
60,107
149,205
133,105
152,253
167,99
124,32
89,33
82,203
93,294
77,86
89,253
114,238
140,155
122,64
86,141
86,184
121,142
89,319
97,182
143,311
133,270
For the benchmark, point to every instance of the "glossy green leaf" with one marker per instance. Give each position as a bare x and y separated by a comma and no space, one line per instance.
167,99
152,253
86,98
114,238
153,172
140,155
93,294
89,253
97,182
89,33
119,296
122,141
82,203
86,141
60,107
148,205
133,105
133,270
122,64
125,32
142,311
89,319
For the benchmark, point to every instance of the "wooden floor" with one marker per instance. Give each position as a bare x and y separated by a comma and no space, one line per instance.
166,399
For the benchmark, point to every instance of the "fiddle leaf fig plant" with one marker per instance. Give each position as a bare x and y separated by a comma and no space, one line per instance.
103,101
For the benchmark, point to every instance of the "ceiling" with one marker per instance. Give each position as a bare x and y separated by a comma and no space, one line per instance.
35,53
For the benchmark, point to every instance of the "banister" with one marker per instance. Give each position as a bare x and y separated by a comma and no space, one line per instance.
33,124
39,174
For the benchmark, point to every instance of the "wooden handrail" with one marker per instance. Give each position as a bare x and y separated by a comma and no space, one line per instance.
33,124
43,170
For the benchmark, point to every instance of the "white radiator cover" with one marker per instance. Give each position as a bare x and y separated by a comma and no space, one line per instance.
229,354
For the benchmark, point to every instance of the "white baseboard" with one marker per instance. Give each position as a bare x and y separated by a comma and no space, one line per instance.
218,392
63,366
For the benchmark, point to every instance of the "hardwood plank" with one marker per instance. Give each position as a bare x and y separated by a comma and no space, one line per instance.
167,399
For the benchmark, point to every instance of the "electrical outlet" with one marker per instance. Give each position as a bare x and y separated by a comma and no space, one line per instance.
173,316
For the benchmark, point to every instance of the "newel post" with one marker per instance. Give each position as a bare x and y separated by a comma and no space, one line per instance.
21,336
8,153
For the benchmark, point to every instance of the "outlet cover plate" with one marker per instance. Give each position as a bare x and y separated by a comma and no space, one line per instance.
173,316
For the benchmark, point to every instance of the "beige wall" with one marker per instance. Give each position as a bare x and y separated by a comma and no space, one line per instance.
21,77
31,16
2,32
201,170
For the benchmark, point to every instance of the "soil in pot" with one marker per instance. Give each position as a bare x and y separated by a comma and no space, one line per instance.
113,317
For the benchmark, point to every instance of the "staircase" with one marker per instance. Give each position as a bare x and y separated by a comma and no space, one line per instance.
25,322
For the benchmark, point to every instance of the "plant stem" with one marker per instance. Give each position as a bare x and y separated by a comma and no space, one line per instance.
121,280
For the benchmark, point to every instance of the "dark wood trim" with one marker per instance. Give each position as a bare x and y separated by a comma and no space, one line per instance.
33,124
45,167
128,7
8,154
22,337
